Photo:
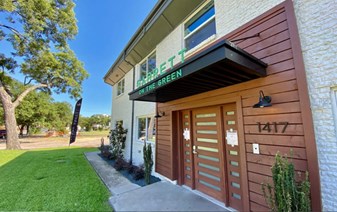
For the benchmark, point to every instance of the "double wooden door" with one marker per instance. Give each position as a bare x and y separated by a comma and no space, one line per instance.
211,165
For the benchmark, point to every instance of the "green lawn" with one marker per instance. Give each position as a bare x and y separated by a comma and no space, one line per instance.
50,180
103,133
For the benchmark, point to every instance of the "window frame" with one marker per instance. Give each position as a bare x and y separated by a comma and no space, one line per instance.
122,83
146,117
199,27
146,59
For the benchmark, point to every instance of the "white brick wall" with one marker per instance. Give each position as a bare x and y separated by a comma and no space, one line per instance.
317,25
121,110
170,46
230,15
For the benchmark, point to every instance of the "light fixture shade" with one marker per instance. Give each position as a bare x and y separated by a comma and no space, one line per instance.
159,115
264,101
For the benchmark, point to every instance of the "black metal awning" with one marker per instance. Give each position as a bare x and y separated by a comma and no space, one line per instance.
220,65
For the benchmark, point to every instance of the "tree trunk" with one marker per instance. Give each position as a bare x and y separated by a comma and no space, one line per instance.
12,139
21,130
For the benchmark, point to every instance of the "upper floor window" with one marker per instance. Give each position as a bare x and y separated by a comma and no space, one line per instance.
120,87
200,26
148,65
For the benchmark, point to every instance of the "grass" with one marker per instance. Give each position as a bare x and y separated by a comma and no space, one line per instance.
103,133
50,180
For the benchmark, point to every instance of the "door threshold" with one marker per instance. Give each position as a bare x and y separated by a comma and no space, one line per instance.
209,198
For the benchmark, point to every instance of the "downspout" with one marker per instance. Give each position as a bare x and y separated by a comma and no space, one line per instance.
132,108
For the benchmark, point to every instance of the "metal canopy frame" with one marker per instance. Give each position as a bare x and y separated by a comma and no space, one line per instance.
222,64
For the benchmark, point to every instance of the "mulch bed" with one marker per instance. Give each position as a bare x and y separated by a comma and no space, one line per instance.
126,174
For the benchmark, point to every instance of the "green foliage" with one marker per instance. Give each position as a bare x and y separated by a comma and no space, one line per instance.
85,122
148,162
8,64
287,194
60,116
117,138
98,120
33,110
38,31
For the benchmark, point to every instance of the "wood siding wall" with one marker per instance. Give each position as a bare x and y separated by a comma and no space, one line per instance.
286,85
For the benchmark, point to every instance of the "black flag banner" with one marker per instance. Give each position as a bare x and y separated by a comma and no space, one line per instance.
75,121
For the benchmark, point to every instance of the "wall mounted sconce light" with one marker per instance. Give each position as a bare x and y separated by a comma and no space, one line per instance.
264,101
159,115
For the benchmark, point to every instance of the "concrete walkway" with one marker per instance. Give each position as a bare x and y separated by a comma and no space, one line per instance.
160,196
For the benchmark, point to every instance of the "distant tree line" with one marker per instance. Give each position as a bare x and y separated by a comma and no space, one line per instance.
95,122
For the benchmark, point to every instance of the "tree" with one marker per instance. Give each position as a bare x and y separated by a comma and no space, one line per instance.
85,122
33,110
60,116
38,31
100,120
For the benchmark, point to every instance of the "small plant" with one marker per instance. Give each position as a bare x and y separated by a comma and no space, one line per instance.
131,168
120,164
148,162
287,194
117,138
105,151
138,173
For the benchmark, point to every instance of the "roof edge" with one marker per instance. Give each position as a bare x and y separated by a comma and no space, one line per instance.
150,18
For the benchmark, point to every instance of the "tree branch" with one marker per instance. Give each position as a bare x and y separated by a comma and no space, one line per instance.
30,80
13,30
26,92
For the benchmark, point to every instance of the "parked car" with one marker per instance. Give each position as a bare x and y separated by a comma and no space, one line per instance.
2,133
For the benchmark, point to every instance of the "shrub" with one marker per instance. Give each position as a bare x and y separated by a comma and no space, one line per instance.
138,173
120,164
117,138
130,168
105,151
148,162
287,194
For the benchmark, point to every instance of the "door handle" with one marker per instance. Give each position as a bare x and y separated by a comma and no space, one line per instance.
194,150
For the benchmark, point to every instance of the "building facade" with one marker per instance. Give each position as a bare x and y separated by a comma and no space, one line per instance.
202,67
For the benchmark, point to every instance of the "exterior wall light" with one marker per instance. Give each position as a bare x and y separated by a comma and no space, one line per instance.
264,101
159,115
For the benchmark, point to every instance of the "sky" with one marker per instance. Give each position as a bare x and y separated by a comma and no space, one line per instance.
104,29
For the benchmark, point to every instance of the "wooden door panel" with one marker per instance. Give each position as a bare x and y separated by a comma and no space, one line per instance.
207,138
232,159
188,171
